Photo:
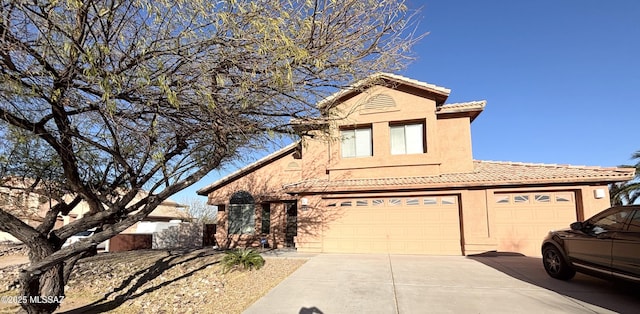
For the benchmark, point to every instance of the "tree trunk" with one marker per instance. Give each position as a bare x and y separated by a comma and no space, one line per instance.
41,291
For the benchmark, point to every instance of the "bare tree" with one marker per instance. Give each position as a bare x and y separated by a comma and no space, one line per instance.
102,99
200,211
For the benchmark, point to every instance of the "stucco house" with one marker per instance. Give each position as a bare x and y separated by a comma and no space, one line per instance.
168,210
395,174
22,198
32,205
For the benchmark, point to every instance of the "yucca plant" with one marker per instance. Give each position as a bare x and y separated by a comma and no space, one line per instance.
245,258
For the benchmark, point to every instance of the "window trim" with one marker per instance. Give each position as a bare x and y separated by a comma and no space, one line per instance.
354,129
245,228
404,124
243,202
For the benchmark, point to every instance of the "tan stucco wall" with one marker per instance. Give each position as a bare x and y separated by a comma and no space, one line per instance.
475,222
264,184
590,203
454,138
448,141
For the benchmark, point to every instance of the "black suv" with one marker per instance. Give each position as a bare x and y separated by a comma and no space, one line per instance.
606,245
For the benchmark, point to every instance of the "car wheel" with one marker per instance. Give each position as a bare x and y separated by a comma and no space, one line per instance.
555,264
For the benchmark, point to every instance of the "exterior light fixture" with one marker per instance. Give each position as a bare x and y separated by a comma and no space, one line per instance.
598,193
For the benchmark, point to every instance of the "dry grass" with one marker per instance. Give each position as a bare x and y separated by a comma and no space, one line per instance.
166,282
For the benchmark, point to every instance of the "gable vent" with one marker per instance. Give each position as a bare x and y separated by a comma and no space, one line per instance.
379,102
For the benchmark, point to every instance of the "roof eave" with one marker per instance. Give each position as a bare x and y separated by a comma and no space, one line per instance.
242,171
452,185
387,79
471,110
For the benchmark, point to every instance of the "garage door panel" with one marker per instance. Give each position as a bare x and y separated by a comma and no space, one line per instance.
394,225
521,226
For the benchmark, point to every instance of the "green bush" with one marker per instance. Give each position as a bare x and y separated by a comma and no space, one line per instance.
245,258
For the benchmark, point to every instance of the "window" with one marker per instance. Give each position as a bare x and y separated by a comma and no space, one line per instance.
448,200
634,224
242,213
563,197
430,201
356,143
362,203
413,201
611,222
266,218
523,198
542,198
502,199
407,139
345,204
377,202
395,202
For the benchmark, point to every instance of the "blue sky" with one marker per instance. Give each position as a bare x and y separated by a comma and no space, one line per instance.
561,78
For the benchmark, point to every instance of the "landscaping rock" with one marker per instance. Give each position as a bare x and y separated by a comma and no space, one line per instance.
154,281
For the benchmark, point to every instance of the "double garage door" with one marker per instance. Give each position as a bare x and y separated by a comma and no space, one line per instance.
522,220
401,225
431,224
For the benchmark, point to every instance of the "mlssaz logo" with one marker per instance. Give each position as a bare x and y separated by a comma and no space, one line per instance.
32,299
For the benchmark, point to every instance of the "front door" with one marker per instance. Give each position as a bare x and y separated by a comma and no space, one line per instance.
291,229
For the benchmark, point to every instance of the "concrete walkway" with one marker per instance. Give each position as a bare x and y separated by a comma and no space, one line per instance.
336,283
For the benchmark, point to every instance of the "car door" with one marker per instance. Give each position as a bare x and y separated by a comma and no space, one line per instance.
625,254
591,247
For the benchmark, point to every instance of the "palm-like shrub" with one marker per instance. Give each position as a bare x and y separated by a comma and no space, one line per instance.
627,193
245,258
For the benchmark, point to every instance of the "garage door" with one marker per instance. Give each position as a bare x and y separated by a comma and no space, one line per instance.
403,225
522,220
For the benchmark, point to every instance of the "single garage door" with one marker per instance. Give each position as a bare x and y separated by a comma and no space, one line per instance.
402,225
522,220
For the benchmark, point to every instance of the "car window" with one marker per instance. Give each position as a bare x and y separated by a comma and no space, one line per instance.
612,222
83,233
634,223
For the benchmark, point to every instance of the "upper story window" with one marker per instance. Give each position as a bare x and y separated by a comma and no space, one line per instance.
356,142
407,138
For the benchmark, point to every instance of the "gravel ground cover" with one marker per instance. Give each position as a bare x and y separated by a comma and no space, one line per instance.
160,281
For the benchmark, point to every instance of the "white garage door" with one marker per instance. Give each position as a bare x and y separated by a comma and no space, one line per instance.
404,225
522,220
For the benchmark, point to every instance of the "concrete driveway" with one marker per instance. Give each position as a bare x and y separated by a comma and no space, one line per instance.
337,283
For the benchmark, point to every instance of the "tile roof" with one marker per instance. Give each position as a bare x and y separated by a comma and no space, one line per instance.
462,106
388,76
410,81
486,173
471,108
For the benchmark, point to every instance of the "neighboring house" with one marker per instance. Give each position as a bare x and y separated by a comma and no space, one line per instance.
24,199
167,211
31,207
397,176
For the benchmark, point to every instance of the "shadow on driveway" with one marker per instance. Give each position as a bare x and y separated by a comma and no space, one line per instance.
615,296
